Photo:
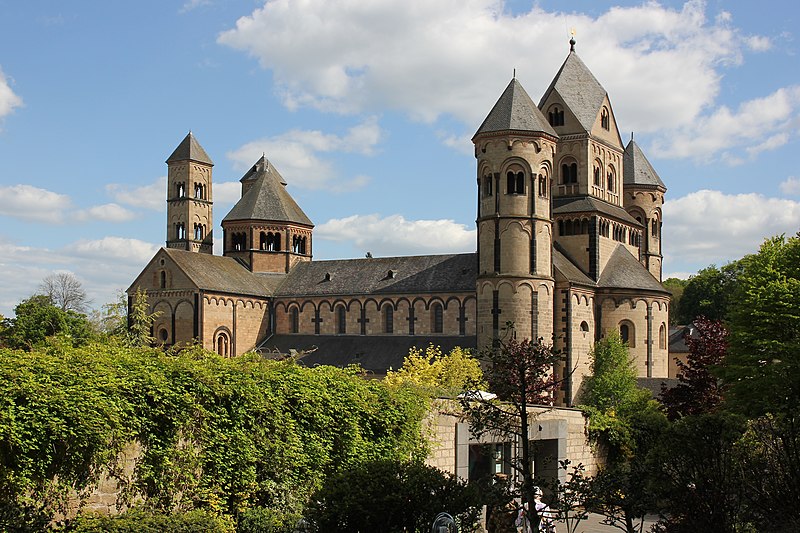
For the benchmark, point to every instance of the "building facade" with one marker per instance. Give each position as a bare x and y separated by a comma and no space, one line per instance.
568,249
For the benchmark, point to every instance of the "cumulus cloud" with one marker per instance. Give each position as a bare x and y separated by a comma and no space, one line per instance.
296,154
106,212
27,202
791,186
8,100
757,125
227,192
150,196
707,227
394,235
105,266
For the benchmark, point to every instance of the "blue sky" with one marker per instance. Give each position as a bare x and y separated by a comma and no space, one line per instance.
367,108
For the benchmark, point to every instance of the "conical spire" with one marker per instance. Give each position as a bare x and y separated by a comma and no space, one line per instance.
516,111
190,150
638,170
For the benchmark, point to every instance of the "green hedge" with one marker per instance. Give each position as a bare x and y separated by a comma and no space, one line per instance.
225,435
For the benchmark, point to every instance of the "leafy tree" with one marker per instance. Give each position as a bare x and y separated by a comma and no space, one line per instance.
521,375
763,359
65,291
441,374
390,496
709,293
37,319
675,286
140,320
698,390
624,420
696,472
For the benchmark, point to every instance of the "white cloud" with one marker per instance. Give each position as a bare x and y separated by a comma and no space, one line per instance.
152,196
720,134
791,186
8,100
227,192
758,43
394,235
106,212
661,65
104,266
707,227
296,154
26,202
190,5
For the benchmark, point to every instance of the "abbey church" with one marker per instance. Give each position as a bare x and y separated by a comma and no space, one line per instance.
568,248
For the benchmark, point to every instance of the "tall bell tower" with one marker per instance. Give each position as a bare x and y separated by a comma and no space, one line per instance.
189,198
514,147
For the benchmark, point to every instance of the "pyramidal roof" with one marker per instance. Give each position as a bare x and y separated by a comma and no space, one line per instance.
579,90
637,169
267,198
515,110
190,150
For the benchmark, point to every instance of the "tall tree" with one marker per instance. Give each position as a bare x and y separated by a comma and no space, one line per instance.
521,375
698,390
763,362
675,286
709,293
65,291
37,319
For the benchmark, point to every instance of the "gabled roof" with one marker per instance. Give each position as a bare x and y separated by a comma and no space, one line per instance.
623,271
579,90
383,275
220,274
267,198
588,204
190,150
638,170
515,111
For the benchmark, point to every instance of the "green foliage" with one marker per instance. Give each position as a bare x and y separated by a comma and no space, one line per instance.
675,286
140,320
620,412
143,521
763,359
709,293
440,374
220,434
37,319
264,520
390,496
696,472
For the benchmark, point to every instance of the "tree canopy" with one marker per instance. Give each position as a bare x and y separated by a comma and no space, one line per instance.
37,318
441,374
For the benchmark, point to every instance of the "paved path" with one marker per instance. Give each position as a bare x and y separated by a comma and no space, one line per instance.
593,525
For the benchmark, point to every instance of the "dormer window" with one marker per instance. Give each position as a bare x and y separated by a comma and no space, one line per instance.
327,276
604,119
391,274
556,116
515,183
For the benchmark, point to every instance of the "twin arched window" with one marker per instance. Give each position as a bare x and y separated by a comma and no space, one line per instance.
515,182
569,173
270,241
604,119
555,116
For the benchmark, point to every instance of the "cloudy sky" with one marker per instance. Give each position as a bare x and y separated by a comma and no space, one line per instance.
367,110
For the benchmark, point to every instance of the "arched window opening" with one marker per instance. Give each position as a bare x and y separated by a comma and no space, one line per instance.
662,337
569,173
388,318
262,240
543,186
162,279
294,320
180,231
626,333
610,181
515,183
487,186
654,225
299,245
438,318
222,344
556,116
239,241
576,227
341,320
561,227
604,119
163,335
199,232
180,190
584,227
273,242
596,175
584,327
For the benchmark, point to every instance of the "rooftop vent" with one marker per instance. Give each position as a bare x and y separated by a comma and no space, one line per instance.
327,276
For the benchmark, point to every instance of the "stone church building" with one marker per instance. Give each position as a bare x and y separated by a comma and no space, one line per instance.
569,248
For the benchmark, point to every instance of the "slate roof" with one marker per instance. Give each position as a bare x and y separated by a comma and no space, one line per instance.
223,274
189,149
623,271
267,198
568,269
677,338
412,274
516,111
375,353
638,170
587,204
654,385
579,90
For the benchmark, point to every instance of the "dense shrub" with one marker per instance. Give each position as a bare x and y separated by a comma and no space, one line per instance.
142,521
